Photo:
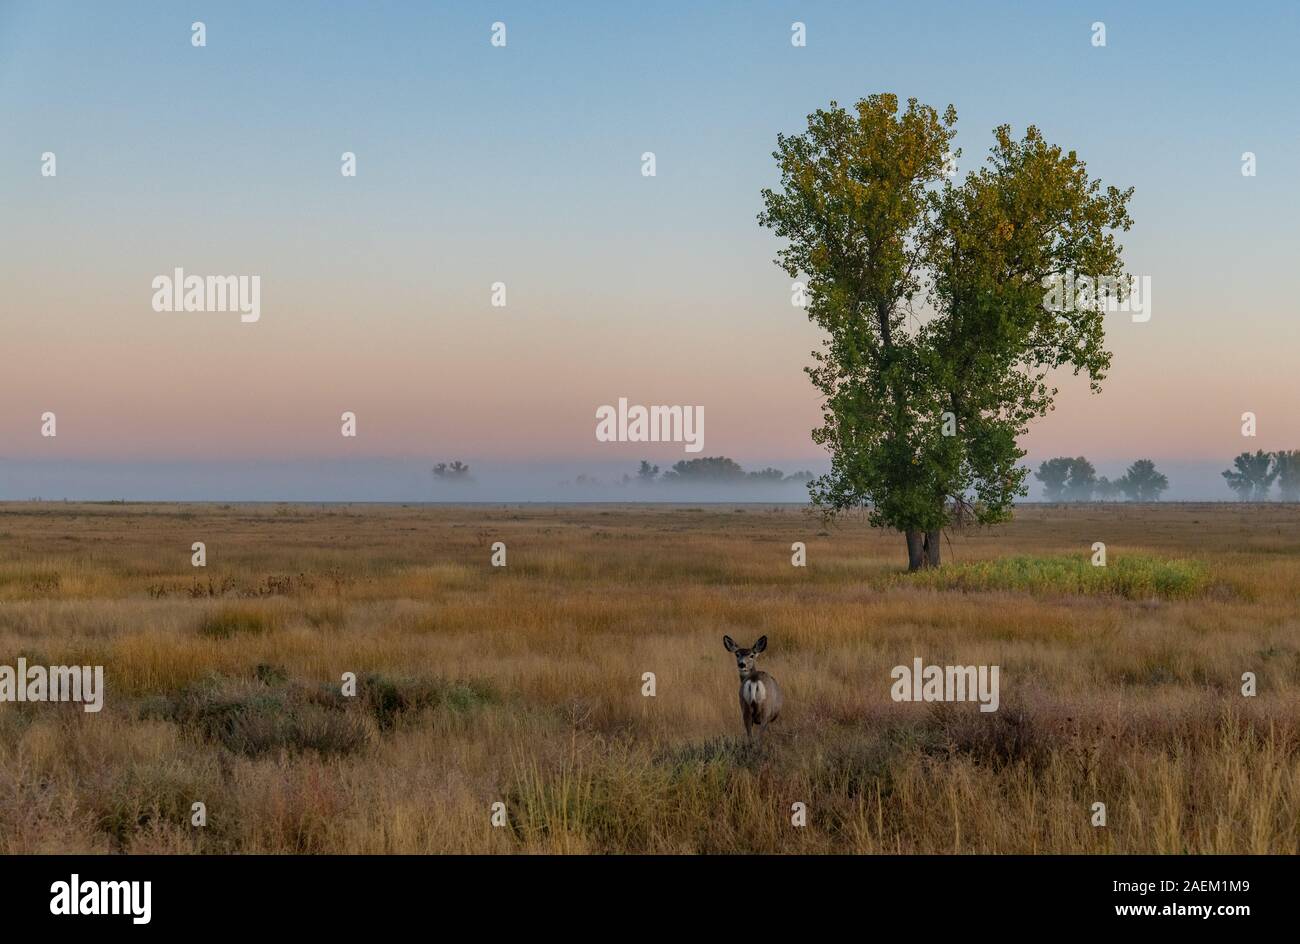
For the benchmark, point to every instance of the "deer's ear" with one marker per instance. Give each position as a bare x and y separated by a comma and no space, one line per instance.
761,644
729,643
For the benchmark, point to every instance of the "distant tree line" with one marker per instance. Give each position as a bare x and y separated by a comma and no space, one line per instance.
1253,473
452,472
1064,478
714,470
1068,479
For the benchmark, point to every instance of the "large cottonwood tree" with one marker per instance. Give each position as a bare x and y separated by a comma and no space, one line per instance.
931,292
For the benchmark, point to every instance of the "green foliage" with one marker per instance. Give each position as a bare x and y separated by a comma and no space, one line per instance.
1106,490
1133,577
1252,475
1141,482
878,232
707,469
1053,474
718,469
1286,469
1066,479
1083,480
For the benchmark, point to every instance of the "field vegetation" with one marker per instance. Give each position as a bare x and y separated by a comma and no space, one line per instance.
523,684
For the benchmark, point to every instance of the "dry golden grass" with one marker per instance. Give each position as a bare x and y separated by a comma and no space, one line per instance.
523,684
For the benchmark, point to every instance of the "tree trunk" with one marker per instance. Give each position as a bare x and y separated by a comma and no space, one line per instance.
922,549
932,548
915,550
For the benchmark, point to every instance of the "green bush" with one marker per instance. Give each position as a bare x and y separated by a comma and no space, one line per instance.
254,720
1133,577
388,698
232,621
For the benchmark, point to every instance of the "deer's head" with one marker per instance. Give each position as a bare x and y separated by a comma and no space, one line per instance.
745,658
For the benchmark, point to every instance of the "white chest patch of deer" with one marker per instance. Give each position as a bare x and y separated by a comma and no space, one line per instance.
753,691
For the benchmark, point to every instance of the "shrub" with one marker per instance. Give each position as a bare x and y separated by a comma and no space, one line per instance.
253,720
389,698
1133,577
232,621
269,713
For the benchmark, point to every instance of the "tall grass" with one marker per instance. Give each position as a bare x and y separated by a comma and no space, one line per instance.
1133,577
523,685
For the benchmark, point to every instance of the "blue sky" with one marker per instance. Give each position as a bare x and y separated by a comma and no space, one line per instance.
522,164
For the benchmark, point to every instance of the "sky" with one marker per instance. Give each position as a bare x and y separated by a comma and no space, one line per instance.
522,164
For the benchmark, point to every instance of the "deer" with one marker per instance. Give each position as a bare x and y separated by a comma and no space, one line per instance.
760,696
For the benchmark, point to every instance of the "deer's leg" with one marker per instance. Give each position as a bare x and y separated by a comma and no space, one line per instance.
749,723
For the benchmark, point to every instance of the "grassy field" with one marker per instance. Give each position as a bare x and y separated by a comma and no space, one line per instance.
523,685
